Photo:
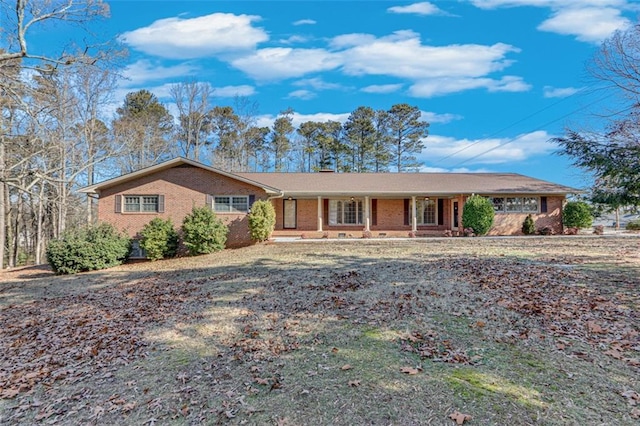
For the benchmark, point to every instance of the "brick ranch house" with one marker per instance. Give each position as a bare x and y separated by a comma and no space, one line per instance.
326,203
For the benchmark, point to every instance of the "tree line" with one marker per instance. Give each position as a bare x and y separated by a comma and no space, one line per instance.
228,137
58,135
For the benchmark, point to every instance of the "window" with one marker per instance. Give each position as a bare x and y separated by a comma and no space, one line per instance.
515,204
426,212
345,212
141,203
231,204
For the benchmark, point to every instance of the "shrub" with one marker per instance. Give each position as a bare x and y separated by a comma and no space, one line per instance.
478,214
159,239
633,225
577,214
88,249
203,232
262,220
528,226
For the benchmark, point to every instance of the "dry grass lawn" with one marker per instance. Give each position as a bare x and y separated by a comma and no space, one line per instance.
511,331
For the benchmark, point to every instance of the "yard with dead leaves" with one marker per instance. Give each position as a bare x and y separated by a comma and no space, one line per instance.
424,331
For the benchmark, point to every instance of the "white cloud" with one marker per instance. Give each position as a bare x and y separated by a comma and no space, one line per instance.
207,35
233,91
144,70
442,86
305,95
403,55
268,119
294,39
282,62
305,22
449,150
588,20
588,24
432,117
317,84
422,8
559,92
382,88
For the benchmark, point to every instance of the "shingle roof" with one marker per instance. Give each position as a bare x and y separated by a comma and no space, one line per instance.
390,184
373,184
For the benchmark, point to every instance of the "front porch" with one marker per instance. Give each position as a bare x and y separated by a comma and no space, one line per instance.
367,216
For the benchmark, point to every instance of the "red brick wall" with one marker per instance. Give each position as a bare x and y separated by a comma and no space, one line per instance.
390,217
511,223
182,187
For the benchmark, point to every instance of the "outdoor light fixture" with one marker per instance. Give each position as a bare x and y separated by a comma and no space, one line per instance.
353,199
290,198
426,198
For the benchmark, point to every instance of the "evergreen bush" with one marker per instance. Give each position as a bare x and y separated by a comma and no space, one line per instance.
634,225
88,249
262,220
528,226
159,239
577,214
478,214
203,232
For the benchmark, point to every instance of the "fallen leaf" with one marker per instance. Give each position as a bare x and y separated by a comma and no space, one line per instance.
459,417
409,370
354,383
595,328
346,367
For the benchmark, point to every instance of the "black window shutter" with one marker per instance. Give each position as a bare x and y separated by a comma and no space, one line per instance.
374,212
406,211
325,210
543,204
160,203
440,211
252,199
118,204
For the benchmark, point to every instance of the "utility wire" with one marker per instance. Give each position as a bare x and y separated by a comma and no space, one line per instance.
516,123
539,128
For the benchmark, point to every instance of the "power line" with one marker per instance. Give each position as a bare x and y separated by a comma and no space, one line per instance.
539,128
516,123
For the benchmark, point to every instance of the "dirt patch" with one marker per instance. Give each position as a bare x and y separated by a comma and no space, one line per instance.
508,331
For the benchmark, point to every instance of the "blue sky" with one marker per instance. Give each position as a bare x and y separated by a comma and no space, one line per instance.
495,78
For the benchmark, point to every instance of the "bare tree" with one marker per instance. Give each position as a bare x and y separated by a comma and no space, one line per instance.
194,121
21,16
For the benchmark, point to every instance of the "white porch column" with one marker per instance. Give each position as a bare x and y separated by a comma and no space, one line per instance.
414,222
319,214
367,214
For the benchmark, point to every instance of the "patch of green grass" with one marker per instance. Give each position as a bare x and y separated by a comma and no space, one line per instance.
474,383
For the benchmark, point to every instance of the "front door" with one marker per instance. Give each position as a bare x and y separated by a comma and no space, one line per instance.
455,215
290,218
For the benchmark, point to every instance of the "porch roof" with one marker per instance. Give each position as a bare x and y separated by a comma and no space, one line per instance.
395,184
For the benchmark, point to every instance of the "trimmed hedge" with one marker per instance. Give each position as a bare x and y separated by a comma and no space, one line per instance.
159,239
478,214
88,249
203,232
262,220
577,214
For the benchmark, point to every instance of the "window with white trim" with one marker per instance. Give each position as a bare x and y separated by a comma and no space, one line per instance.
515,204
230,203
345,212
426,212
141,203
